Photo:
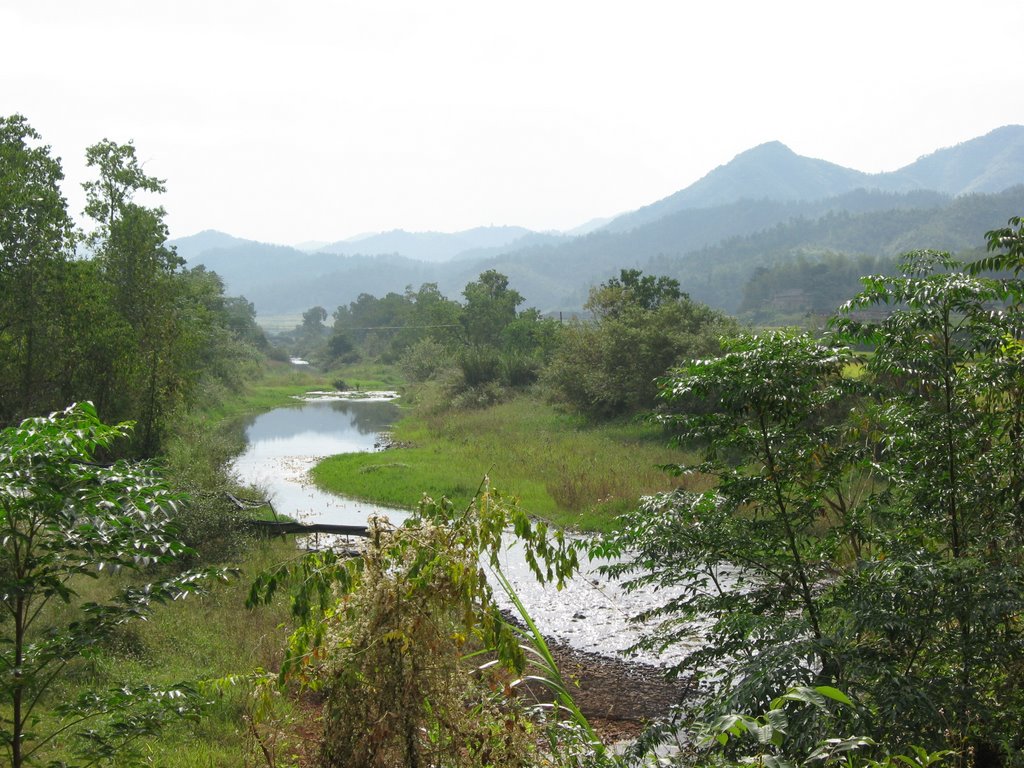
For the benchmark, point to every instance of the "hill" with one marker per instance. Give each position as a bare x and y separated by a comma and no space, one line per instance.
989,163
429,246
765,207
772,171
189,248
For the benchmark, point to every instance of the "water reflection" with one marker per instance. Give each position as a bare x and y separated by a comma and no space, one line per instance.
320,428
284,444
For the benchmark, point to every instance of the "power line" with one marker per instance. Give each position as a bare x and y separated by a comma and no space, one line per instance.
397,327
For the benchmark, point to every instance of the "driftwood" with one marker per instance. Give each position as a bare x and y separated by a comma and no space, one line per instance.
274,527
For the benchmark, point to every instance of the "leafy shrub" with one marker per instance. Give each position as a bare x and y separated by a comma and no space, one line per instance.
394,639
482,396
424,360
518,370
65,517
609,367
479,365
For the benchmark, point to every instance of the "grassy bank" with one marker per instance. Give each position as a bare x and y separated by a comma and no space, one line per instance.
201,638
280,383
209,637
562,468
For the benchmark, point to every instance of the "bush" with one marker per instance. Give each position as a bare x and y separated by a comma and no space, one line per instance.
479,365
518,370
609,367
424,360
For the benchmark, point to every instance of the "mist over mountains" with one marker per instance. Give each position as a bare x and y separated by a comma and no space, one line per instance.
766,207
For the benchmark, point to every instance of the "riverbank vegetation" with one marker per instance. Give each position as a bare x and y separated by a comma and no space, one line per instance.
852,532
561,467
856,540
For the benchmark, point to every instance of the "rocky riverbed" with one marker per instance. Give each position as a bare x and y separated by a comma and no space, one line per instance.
618,696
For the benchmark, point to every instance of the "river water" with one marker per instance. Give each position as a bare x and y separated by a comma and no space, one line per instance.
590,613
282,445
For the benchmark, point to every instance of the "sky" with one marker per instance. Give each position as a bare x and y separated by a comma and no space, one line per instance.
313,120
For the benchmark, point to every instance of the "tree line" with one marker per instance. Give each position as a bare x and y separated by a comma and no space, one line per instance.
603,363
109,315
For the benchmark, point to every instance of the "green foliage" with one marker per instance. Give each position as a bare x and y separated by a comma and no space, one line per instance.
950,411
126,329
643,326
771,732
63,517
633,290
424,360
517,369
121,175
479,365
384,636
861,533
387,328
195,462
490,308
746,553
35,243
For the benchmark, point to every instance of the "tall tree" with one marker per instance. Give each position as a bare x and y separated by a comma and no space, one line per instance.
490,307
36,237
129,242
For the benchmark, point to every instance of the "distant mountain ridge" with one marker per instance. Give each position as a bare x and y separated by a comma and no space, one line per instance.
765,206
772,171
191,247
989,163
429,246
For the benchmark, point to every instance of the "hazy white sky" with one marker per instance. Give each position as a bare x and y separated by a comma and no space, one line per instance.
318,120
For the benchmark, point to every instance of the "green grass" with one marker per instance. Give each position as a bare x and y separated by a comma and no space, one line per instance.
212,636
561,468
199,638
280,383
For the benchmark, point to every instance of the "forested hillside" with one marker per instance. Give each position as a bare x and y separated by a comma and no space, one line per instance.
766,206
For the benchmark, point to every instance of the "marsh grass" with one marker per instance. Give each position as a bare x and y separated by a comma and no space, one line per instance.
280,383
200,638
563,469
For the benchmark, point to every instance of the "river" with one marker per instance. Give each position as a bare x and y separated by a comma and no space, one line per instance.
591,613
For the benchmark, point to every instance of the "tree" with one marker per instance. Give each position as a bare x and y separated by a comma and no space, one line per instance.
490,307
129,242
642,326
633,289
948,365
36,238
120,177
744,553
125,329
65,517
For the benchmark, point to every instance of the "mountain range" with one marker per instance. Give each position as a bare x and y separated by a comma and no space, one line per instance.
767,205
